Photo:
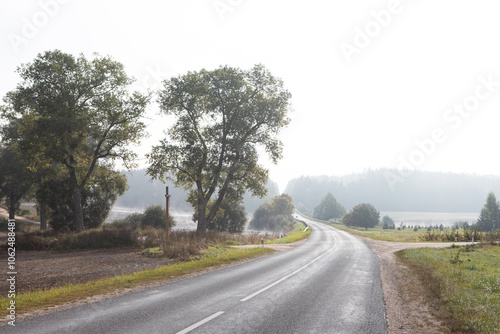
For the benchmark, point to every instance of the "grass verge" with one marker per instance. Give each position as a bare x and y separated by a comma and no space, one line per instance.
295,234
466,283
214,256
405,235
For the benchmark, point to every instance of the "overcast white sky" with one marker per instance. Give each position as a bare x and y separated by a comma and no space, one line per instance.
370,79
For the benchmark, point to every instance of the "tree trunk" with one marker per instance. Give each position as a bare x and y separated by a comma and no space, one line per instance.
12,206
77,202
202,218
43,215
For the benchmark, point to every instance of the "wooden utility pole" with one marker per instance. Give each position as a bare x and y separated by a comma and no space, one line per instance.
167,197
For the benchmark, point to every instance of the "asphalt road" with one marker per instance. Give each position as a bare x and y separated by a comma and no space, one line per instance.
330,284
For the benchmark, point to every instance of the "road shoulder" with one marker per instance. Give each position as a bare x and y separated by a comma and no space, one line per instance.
407,309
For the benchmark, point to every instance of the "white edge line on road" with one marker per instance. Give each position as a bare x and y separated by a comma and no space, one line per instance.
199,323
289,275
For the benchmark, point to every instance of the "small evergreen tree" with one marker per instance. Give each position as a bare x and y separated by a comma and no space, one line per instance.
489,218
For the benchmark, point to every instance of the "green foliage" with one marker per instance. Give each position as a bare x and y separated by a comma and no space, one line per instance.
221,117
388,223
98,197
232,218
132,221
72,113
153,216
362,215
275,215
15,178
328,208
489,218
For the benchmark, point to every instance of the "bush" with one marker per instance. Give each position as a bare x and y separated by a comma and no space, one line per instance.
25,212
153,216
362,215
388,223
274,215
132,221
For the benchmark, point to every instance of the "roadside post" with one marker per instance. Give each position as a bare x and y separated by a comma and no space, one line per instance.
262,241
167,197
281,235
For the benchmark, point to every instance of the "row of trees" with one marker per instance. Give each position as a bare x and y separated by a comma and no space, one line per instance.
365,215
71,119
421,192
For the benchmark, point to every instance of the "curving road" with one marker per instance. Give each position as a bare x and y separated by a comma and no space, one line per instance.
330,284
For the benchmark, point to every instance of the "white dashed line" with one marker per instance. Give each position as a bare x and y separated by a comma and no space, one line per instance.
199,323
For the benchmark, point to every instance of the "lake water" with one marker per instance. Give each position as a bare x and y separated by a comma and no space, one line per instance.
183,219
431,218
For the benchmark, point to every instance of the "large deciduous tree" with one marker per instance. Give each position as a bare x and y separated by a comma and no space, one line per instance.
221,117
78,113
362,215
328,208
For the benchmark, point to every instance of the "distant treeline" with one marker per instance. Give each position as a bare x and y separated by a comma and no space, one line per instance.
387,190
144,192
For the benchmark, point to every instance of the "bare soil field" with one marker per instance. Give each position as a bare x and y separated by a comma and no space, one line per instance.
44,270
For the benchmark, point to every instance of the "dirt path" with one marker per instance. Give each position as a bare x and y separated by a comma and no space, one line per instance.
5,213
406,309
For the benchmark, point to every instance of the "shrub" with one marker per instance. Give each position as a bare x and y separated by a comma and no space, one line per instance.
274,215
89,239
132,221
388,223
362,215
153,216
232,219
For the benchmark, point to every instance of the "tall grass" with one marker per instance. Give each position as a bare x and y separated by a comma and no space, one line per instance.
467,282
